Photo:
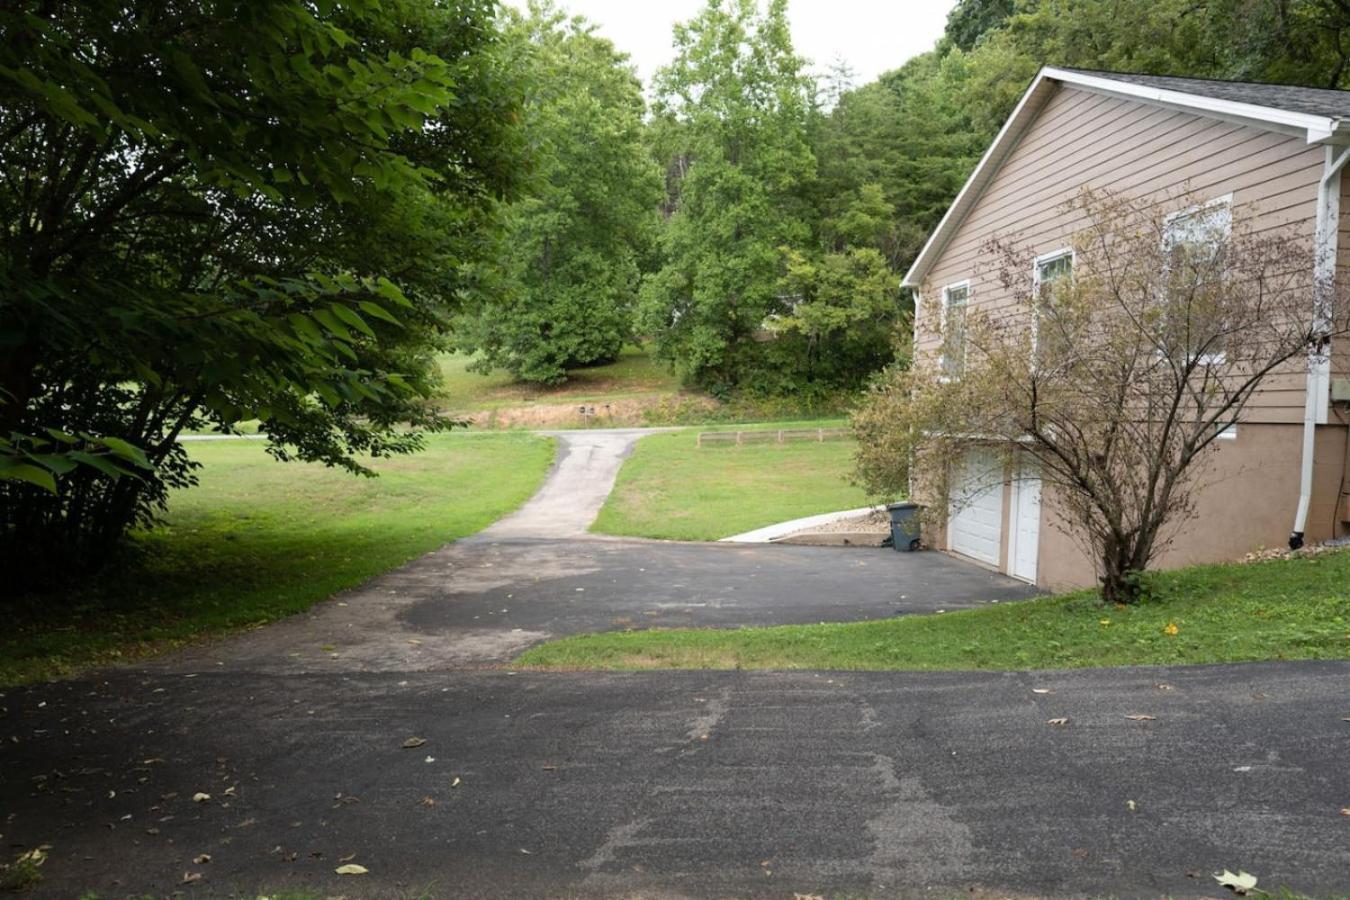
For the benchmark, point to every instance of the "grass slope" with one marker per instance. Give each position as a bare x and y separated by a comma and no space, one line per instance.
670,488
259,540
1283,609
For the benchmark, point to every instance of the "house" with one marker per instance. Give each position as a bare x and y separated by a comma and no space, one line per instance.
1266,154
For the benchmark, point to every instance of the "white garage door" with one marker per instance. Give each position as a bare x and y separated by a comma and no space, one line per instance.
977,508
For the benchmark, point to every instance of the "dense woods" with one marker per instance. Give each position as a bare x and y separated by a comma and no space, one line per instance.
795,198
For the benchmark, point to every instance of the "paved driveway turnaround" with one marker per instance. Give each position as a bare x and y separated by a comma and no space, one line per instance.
539,574
384,730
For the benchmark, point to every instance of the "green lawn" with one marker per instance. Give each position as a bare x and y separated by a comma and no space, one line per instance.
671,488
1282,609
258,540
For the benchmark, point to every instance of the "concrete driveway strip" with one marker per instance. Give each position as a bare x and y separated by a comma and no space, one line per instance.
582,477
683,784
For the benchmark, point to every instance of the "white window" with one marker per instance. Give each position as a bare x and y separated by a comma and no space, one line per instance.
955,298
1193,240
1049,269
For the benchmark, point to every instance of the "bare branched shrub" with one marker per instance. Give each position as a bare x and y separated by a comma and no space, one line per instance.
1114,380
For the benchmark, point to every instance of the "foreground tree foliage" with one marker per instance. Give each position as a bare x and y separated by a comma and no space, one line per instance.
1114,381
575,242
221,211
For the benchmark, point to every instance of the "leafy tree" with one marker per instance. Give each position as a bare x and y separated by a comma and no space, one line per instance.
221,211
971,20
731,119
575,241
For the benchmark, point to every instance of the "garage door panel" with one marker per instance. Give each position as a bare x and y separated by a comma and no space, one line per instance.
977,517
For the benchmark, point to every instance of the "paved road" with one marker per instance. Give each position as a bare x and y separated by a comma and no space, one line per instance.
663,784
684,783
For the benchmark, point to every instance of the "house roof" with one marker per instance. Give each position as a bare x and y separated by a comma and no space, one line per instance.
1314,114
1313,101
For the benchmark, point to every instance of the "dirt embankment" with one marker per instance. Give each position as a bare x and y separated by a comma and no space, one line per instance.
622,412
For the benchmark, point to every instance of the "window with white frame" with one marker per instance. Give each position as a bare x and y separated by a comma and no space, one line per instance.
954,300
1193,242
1051,269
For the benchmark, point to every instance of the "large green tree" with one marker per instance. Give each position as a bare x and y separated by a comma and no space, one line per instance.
224,210
731,122
575,241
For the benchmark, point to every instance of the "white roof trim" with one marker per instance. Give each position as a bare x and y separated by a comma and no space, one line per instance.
1314,129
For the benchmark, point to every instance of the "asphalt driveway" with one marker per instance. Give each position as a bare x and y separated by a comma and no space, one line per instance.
481,602
683,784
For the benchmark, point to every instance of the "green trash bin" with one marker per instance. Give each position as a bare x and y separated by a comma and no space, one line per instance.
904,525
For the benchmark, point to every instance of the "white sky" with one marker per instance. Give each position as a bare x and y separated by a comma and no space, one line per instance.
872,35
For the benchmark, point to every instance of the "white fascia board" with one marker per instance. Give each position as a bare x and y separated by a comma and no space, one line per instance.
1313,129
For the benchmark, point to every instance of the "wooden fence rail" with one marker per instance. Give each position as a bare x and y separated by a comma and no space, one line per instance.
771,436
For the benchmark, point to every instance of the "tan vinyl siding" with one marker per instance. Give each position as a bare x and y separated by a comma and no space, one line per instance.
1340,347
1084,139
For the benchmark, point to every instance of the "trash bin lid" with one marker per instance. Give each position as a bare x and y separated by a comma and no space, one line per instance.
903,504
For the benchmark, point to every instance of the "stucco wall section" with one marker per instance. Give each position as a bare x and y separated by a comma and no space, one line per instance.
1247,501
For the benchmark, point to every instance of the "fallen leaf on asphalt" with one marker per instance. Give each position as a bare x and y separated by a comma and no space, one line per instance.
428,800
1040,690
190,877
1240,883
200,797
351,869
456,782
1063,720
1130,805
1345,810
526,852
1165,687
1137,717
429,759
348,858
229,791
413,742
797,896
202,859
550,768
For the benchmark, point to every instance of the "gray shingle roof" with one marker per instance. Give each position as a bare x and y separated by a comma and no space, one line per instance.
1313,101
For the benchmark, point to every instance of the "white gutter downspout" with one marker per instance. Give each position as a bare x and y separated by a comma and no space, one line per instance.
1324,270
